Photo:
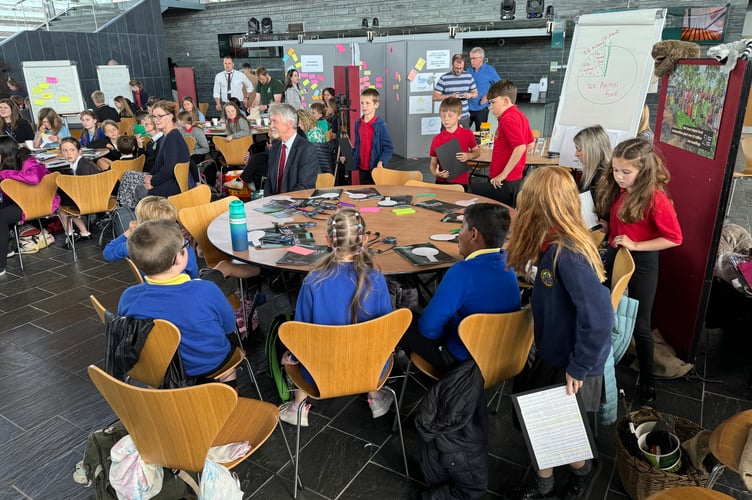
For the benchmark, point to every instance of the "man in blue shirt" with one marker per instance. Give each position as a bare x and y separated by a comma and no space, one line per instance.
479,284
485,75
457,83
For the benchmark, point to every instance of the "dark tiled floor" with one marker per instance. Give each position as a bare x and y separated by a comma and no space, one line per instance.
49,334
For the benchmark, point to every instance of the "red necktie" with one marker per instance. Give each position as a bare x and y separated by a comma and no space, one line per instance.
282,158
138,99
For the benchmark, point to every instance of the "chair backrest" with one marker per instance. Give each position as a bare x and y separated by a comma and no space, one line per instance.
90,193
234,150
347,359
191,142
76,133
135,270
181,173
196,220
203,107
34,201
170,427
200,195
389,177
728,439
597,236
624,267
499,343
324,181
747,150
157,352
446,187
122,166
125,126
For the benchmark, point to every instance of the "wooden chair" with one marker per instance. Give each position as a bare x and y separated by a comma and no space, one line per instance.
597,236
122,166
689,493
76,133
200,195
176,427
499,344
181,172
203,107
324,181
232,152
344,360
428,185
157,352
191,142
35,201
125,126
624,267
90,194
727,443
136,271
390,177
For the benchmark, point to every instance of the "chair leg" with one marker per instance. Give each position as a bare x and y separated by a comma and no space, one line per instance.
297,449
299,483
71,239
714,475
252,376
18,246
402,393
498,393
399,425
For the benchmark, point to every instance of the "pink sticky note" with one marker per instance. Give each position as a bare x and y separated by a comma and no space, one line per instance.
365,65
304,75
300,250
411,76
340,47
370,210
378,78
51,79
378,85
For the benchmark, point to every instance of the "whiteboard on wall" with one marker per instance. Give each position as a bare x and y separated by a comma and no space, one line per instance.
114,81
608,73
53,84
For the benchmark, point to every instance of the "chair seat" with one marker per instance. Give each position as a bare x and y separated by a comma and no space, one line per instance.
425,366
296,375
264,418
238,356
72,210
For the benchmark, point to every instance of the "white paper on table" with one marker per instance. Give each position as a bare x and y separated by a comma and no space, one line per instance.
555,427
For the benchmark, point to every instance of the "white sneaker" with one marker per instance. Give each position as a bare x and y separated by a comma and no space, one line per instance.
10,254
380,406
235,184
289,413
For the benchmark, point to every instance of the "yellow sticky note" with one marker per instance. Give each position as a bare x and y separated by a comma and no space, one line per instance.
40,102
306,81
420,63
298,64
367,72
44,85
295,57
47,95
314,86
63,98
36,90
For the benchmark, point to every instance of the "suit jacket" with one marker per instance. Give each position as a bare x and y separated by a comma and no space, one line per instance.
301,167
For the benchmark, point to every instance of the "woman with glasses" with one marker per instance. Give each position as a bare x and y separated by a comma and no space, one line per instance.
172,150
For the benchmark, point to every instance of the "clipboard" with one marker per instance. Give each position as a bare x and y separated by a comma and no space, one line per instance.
555,427
447,155
587,211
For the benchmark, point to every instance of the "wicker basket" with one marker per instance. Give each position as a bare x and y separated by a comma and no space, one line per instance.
639,478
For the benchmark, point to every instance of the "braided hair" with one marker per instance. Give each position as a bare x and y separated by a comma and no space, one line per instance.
346,231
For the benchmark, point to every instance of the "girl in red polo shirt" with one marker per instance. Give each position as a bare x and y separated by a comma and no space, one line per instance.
641,218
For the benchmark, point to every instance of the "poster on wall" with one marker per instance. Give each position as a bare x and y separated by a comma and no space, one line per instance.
437,59
420,104
693,108
430,126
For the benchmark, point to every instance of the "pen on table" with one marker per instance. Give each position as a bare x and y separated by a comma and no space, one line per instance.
426,194
345,204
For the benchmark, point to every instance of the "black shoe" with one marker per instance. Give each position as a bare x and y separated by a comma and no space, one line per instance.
647,394
67,243
82,237
530,491
579,486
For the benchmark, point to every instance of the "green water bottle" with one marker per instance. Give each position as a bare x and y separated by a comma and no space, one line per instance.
238,227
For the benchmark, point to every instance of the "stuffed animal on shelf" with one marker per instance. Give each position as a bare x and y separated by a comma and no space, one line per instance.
667,52
728,53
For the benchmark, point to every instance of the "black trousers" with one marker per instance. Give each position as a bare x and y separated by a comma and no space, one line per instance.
256,168
642,287
506,194
432,350
10,214
478,117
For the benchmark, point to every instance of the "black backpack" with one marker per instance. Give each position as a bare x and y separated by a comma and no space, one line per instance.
274,348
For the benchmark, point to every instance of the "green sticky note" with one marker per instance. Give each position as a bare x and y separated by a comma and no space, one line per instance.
455,231
426,194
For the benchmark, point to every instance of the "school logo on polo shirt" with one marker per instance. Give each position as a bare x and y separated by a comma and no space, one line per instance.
547,277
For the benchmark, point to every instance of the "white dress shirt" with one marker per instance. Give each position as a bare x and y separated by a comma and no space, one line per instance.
237,81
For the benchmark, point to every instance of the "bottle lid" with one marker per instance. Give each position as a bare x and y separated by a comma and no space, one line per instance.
237,209
485,125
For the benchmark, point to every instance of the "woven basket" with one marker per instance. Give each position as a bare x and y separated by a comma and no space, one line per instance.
639,478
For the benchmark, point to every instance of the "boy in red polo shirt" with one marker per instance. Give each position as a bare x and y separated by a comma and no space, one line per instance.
450,112
373,146
513,136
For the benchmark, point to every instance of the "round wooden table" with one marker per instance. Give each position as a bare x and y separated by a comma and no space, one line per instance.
408,229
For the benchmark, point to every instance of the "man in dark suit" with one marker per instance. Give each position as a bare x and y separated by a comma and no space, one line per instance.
101,109
293,163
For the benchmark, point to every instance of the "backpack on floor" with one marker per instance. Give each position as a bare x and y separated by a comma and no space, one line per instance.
274,348
94,469
121,220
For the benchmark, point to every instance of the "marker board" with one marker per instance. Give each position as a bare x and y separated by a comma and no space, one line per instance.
608,74
53,84
114,81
